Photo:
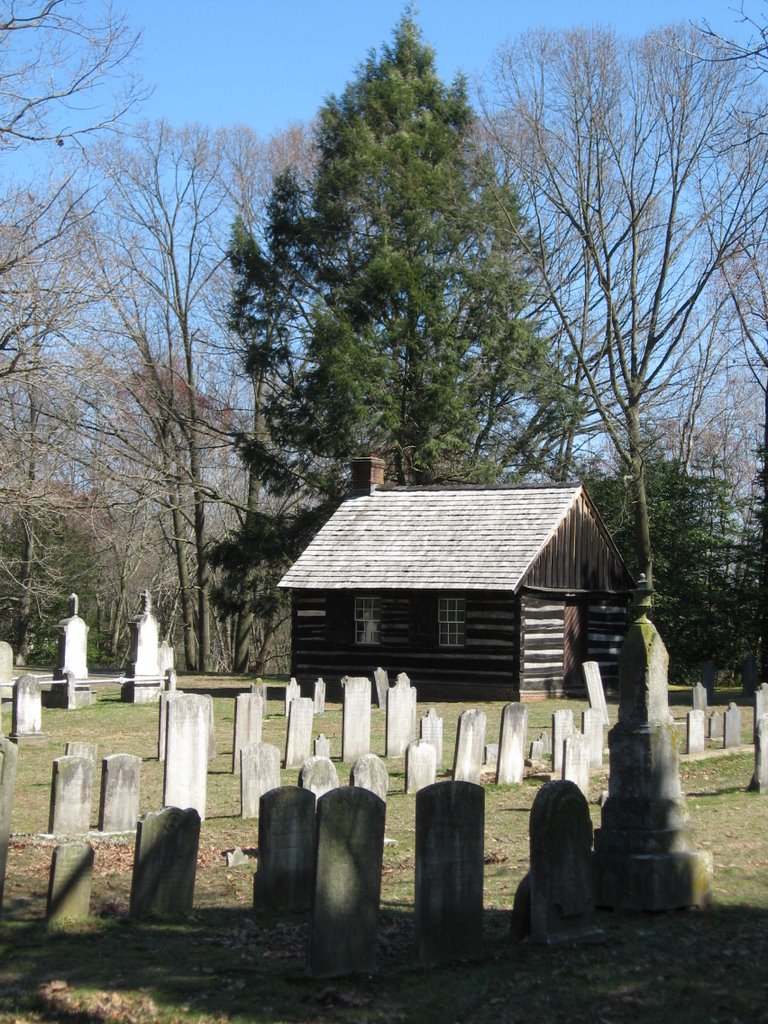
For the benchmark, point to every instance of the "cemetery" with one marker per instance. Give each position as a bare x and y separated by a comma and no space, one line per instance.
235,850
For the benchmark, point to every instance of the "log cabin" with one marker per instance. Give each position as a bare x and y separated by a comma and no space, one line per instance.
475,592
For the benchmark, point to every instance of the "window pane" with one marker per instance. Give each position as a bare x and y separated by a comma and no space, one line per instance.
451,621
367,620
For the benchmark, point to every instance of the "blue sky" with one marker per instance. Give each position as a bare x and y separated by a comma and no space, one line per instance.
266,63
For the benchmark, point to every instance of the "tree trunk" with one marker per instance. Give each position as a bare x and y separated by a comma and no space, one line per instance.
25,598
187,607
763,588
639,497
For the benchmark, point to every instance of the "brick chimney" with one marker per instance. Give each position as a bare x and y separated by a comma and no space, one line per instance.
367,475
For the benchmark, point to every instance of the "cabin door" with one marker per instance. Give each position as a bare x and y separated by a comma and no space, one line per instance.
575,632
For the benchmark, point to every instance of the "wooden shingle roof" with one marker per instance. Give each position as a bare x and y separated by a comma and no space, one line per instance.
433,539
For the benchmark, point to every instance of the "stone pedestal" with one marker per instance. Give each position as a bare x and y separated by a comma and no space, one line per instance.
644,853
73,644
144,686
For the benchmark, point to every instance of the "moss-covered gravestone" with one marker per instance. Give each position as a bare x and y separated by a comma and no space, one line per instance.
644,854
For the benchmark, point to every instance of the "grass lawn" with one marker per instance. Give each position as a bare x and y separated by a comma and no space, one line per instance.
228,964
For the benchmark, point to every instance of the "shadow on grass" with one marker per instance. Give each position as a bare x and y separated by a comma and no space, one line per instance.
239,966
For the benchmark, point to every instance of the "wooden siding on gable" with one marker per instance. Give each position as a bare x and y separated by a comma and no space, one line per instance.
579,556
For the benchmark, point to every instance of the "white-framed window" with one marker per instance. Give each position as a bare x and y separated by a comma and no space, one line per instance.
451,614
367,620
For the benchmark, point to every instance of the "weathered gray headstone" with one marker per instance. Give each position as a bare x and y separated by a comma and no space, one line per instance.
162,722
319,696
27,713
119,796
470,743
186,751
592,727
576,761
259,773
595,692
761,703
283,880
695,731
562,727
450,820
6,662
558,889
144,684
370,772
490,755
292,692
732,726
318,775
709,677
71,784
400,726
165,863
420,766
644,855
546,739
298,740
69,883
716,724
81,748
431,729
750,675
512,737
381,680
537,749
699,697
346,890
249,715
321,746
165,658
72,651
261,687
8,758
356,718
760,778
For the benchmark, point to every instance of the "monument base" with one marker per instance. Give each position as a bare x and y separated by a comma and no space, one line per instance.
57,697
665,881
138,691
23,738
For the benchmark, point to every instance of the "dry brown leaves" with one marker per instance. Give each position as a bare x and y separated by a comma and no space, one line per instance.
106,1007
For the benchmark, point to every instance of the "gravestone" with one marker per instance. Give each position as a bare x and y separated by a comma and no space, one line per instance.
318,775
576,761
27,713
186,752
356,718
370,772
512,736
8,759
695,731
72,653
143,686
261,687
170,681
166,660
431,729
381,681
249,715
6,663
592,728
470,742
119,796
759,781
699,696
346,883
449,871
69,883
562,728
283,880
420,766
595,691
292,692
298,741
81,748
732,726
259,773
490,755
165,864
70,693
321,746
401,722
70,806
546,739
537,749
761,702
750,675
554,903
162,722
709,678
716,724
319,696
644,854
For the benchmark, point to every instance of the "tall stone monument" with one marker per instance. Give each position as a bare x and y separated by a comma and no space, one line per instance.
143,686
73,644
644,854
